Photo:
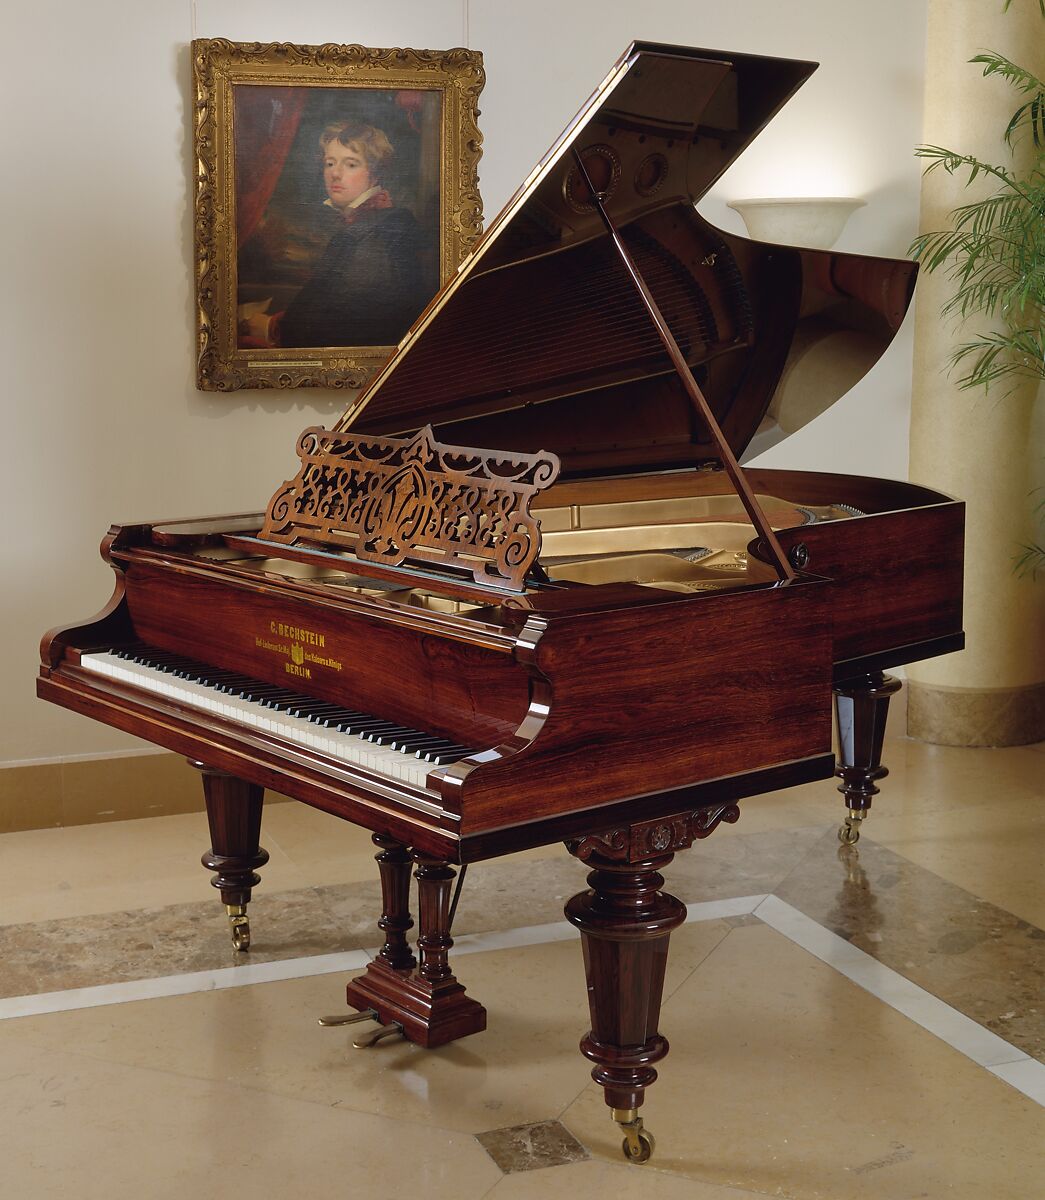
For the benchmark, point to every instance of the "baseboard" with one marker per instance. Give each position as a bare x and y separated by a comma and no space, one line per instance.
953,716
84,792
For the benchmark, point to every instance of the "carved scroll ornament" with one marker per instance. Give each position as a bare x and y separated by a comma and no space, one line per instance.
398,500
633,843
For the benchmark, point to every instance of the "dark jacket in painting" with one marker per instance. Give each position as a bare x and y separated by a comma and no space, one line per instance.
368,286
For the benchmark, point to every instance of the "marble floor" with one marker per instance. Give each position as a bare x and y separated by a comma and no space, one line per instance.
842,1025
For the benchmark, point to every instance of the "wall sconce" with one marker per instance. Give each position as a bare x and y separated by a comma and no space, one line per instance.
813,221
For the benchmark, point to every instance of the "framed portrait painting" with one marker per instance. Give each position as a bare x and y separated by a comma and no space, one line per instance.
336,191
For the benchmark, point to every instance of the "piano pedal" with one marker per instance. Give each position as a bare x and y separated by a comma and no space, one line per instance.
381,1034
639,1143
367,1014
372,1036
849,830
239,924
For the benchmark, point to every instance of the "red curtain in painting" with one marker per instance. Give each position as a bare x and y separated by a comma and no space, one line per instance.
266,120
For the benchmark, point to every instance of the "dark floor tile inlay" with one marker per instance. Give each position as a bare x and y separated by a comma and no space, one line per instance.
977,958
529,1147
49,956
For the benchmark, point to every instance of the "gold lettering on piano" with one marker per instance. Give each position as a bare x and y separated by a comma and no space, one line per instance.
299,654
297,633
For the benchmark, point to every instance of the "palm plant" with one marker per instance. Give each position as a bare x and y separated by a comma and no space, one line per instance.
994,251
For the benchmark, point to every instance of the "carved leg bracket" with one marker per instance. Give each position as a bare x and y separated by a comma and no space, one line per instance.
862,706
234,815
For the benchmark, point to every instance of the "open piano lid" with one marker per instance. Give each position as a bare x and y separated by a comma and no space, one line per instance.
542,342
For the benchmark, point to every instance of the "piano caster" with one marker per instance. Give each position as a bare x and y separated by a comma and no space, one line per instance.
849,830
638,1144
239,924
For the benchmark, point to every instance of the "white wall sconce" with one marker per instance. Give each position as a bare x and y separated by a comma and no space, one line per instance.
813,221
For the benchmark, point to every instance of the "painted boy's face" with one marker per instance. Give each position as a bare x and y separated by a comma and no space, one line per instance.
345,173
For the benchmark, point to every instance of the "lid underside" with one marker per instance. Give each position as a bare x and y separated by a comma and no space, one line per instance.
542,341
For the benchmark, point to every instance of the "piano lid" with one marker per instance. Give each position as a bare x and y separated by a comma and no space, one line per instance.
541,340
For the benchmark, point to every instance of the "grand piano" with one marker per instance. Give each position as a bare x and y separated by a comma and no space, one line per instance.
524,592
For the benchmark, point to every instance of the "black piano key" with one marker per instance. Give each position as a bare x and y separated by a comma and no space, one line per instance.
257,693
413,741
326,710
307,708
386,730
286,701
443,757
359,725
338,717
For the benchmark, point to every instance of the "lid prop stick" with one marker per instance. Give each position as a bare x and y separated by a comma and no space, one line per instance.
733,469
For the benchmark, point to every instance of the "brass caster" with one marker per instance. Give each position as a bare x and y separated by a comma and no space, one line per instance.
381,1034
639,1143
239,923
849,830
367,1014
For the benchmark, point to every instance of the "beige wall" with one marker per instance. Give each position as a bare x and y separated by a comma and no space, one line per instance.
101,420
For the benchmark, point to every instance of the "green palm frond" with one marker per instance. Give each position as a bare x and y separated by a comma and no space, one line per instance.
1031,558
1031,114
993,251
1015,354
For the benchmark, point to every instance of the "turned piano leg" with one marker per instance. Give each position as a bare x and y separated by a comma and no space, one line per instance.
861,705
625,922
393,863
234,816
375,992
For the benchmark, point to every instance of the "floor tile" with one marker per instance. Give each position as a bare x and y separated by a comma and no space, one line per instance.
531,1147
323,849
927,778
996,851
77,1126
786,1079
602,1181
525,1068
46,956
114,866
979,959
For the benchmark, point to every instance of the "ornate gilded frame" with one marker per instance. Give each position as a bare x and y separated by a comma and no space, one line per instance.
219,65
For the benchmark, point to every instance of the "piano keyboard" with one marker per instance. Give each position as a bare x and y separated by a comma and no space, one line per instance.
351,736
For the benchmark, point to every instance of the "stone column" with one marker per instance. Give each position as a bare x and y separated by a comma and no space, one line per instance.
986,448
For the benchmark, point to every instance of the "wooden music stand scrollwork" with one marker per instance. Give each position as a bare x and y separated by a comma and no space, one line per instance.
415,500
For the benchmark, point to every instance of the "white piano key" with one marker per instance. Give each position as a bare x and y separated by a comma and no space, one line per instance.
349,748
